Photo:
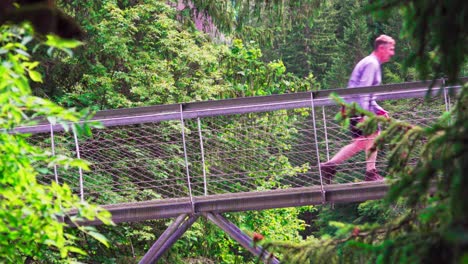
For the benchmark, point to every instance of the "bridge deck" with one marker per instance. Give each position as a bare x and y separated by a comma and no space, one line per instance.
235,202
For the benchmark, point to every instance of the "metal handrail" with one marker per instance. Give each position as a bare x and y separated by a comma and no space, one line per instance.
193,110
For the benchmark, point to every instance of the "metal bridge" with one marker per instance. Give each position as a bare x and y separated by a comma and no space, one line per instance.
205,158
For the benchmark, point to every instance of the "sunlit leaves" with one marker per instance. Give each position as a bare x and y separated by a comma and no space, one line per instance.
30,213
35,76
141,54
65,45
57,42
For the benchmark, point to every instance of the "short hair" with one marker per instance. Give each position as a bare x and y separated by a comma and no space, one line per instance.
383,40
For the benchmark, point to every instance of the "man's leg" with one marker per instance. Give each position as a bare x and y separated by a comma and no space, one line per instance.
329,168
349,150
371,157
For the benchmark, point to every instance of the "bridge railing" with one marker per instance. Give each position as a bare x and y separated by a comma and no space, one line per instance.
227,146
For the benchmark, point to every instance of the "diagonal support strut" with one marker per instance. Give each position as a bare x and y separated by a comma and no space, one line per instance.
234,232
168,238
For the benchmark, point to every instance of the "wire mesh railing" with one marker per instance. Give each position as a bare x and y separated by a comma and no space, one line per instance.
219,147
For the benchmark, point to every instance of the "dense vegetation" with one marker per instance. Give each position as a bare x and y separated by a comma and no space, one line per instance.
139,53
29,211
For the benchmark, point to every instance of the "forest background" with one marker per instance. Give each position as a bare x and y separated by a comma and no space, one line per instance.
140,53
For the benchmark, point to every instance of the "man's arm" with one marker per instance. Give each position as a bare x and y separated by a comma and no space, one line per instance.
370,74
376,108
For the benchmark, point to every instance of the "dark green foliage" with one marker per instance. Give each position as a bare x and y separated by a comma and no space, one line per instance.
321,38
435,230
438,34
254,19
139,54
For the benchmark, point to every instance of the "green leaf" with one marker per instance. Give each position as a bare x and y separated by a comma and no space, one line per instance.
50,50
44,171
26,40
35,76
33,65
99,237
22,52
76,250
55,41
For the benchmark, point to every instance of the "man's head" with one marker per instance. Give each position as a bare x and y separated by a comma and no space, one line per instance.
384,48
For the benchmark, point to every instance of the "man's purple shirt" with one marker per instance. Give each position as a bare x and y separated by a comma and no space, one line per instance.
367,73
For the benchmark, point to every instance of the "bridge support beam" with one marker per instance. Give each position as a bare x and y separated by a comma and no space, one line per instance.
243,239
168,238
185,221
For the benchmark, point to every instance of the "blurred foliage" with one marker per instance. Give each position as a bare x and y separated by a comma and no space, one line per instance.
31,214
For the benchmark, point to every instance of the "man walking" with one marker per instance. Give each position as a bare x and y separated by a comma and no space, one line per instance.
366,73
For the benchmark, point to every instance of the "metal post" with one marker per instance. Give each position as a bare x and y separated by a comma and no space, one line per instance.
205,187
317,146
447,103
79,168
186,158
52,143
326,132
243,239
448,107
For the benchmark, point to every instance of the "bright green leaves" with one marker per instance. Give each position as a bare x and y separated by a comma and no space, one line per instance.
65,45
142,55
248,75
35,76
57,42
30,212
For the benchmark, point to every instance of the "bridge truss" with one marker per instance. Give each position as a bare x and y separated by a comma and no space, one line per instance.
205,158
